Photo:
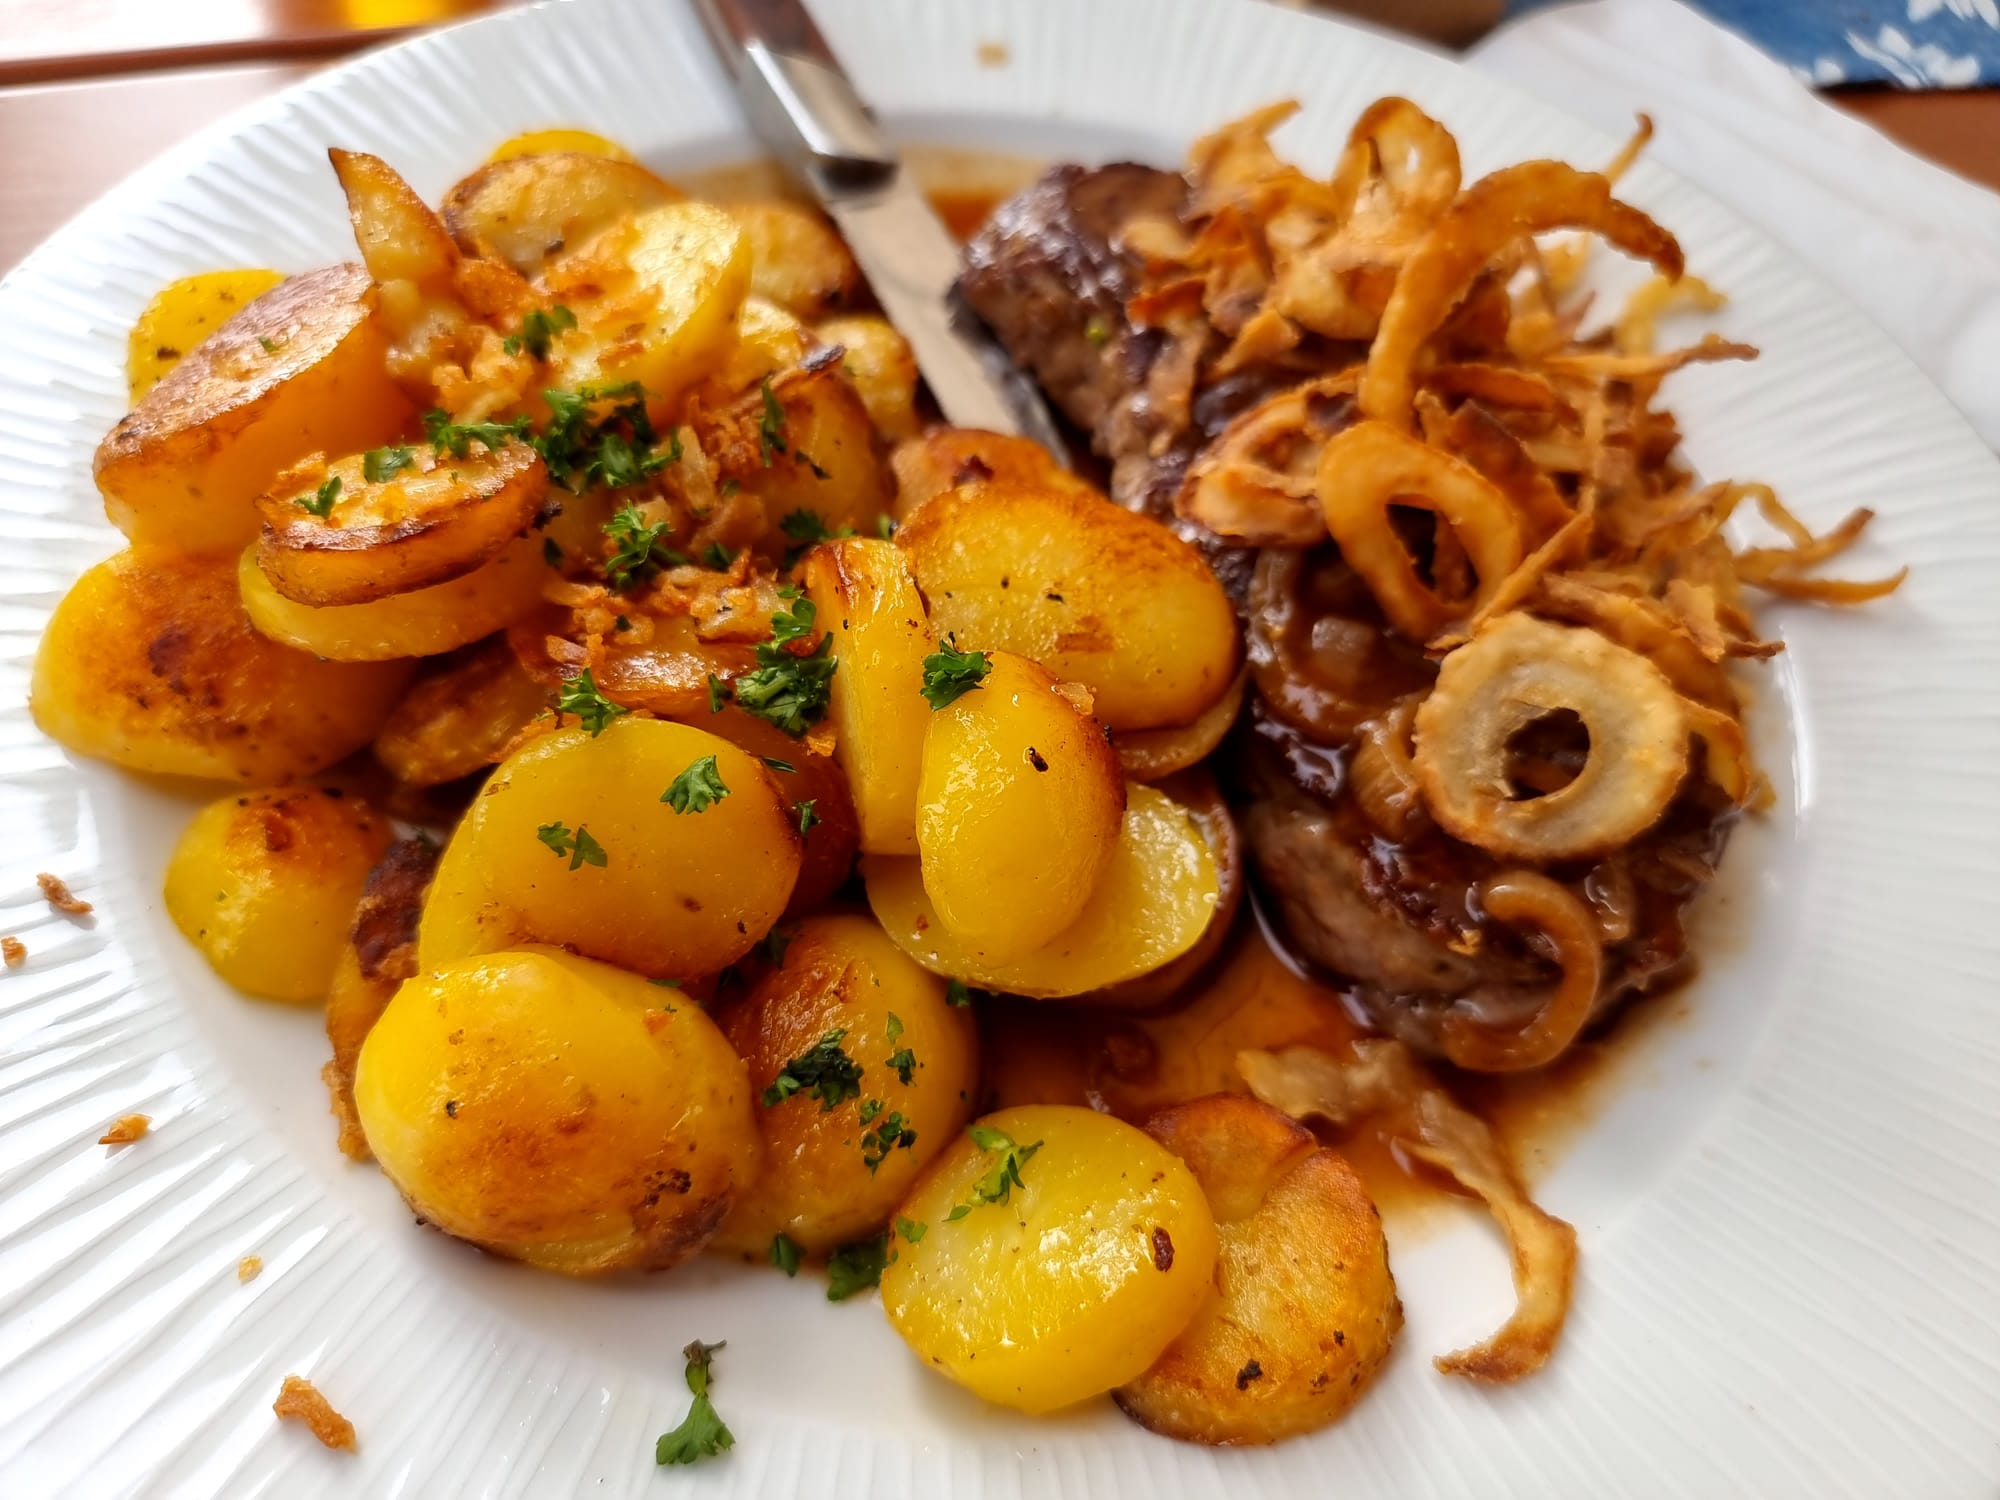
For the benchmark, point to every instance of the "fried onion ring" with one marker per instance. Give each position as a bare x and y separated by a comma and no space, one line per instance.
1373,465
1489,216
1518,670
1382,775
1529,898
1255,483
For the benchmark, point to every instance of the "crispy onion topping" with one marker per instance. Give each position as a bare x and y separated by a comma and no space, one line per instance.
1515,672
1528,898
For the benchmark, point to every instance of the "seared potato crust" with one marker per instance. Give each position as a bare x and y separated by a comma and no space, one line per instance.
841,974
526,209
1157,895
829,463
559,1111
264,885
1075,1283
1304,1306
460,716
673,895
865,596
1095,593
151,663
300,370
1018,810
181,315
796,258
947,458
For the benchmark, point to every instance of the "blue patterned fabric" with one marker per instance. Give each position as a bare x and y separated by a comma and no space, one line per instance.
1914,44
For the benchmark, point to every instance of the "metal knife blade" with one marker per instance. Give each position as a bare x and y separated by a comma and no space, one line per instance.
800,102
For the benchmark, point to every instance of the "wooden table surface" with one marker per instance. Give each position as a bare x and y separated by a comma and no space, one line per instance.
91,89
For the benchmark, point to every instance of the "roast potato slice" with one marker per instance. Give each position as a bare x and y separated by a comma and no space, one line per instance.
436,519
803,441
525,209
1303,1308
834,1175
1156,897
1096,593
427,621
796,258
150,662
883,368
459,716
181,316
300,370
557,1111
945,458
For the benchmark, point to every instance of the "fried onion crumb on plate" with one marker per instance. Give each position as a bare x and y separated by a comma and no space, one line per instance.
125,1130
300,1401
57,894
13,952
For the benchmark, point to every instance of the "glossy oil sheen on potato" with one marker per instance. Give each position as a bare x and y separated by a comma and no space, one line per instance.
1096,593
841,974
1304,1307
864,595
1074,1284
558,1111
1018,810
300,370
264,884
150,662
678,895
1158,893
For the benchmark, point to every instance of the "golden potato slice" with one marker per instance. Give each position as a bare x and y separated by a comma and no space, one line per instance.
1152,754
422,622
400,239
1060,1279
804,442
151,663
181,315
1304,1307
656,297
834,1173
805,778
264,884
574,842
380,953
863,593
884,370
557,139
796,258
557,1111
523,208
437,518
947,458
459,717
768,339
1157,896
1019,807
1097,594
300,370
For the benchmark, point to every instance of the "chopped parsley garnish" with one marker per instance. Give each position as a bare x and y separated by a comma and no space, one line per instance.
538,328
640,550
890,1135
773,945
323,498
457,438
911,1230
702,1434
581,848
696,789
666,984
1098,332
785,1254
1005,1175
807,526
552,553
718,693
580,696
380,465
808,811
777,765
826,1072
957,992
904,1061
717,556
770,426
949,674
581,450
788,689
885,526
855,1268
272,346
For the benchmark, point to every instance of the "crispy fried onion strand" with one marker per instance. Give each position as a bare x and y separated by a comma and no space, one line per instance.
1520,669
1489,218
1372,466
1528,898
1381,1078
1255,483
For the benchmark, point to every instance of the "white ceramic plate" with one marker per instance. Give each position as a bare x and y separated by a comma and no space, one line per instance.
1791,1236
